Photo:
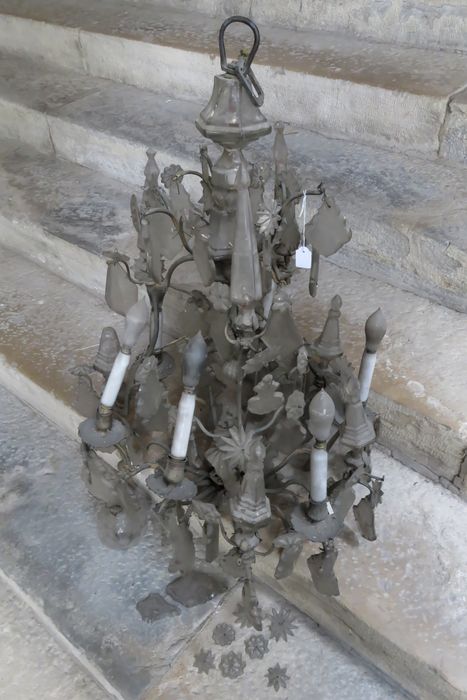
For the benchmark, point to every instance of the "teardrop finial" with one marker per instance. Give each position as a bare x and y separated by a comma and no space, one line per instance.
322,412
193,360
375,330
328,345
109,347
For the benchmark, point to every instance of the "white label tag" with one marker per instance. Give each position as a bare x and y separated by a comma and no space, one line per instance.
330,508
303,257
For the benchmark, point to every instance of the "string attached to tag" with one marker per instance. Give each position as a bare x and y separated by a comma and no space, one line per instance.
303,254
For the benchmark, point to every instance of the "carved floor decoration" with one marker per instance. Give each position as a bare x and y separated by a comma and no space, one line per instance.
293,660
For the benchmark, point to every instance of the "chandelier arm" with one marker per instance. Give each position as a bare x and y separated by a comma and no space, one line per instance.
128,271
183,238
135,472
197,174
178,224
158,444
294,453
271,422
308,193
204,429
173,267
225,535
122,449
233,341
280,514
156,295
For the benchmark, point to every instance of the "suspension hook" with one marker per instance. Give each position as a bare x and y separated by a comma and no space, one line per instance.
241,68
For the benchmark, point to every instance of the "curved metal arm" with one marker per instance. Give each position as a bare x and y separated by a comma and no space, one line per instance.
197,174
271,422
177,223
205,430
308,193
298,451
173,267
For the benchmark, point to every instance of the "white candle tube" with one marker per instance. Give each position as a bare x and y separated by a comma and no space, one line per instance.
183,423
318,474
365,375
115,380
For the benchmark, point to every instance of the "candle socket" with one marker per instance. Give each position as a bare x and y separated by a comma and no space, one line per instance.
318,511
103,418
174,470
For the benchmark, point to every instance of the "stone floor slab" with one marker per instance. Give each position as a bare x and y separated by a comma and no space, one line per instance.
317,667
32,663
50,547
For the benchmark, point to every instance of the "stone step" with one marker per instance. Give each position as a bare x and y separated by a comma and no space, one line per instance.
33,663
427,23
53,546
386,95
64,216
402,604
407,216
94,618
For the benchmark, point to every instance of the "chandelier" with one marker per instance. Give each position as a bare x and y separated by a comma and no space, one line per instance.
270,435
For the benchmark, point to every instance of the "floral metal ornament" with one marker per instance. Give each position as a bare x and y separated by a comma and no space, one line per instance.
256,646
267,430
277,677
282,624
232,664
204,661
223,634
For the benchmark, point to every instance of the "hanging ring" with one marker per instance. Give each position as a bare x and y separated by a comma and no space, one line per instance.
242,68
243,20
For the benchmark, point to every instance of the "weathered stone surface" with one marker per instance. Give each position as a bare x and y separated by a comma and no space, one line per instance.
331,83
77,214
49,546
453,135
316,666
407,216
32,663
402,599
413,22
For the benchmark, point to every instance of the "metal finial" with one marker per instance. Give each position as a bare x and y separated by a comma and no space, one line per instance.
328,345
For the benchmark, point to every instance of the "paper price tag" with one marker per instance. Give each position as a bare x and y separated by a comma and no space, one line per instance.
303,257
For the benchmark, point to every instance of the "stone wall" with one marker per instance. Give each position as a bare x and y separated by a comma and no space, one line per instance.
425,23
